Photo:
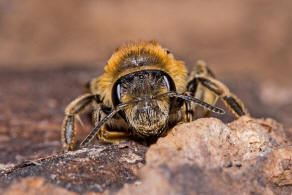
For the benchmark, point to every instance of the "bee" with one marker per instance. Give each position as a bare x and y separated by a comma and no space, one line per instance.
143,93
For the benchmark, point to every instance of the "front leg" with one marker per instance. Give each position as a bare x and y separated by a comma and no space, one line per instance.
113,132
72,111
197,90
201,78
112,136
229,99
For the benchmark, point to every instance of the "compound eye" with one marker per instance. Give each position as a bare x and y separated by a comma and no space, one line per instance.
116,94
119,91
169,83
166,82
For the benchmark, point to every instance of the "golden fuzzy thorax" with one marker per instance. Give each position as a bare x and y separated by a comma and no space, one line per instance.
160,60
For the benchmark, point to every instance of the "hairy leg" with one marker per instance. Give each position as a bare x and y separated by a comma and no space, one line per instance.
197,90
203,85
72,111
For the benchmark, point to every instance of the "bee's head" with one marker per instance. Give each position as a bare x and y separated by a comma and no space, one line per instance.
148,116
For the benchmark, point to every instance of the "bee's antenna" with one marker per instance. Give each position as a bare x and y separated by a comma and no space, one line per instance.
96,129
193,99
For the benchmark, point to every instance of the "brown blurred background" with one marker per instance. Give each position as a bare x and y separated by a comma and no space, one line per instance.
49,49
243,36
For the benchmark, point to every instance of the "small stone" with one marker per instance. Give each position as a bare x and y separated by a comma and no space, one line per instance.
227,164
237,163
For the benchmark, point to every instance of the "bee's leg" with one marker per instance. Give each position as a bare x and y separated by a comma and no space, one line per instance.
112,136
105,134
197,90
72,111
203,85
190,107
230,100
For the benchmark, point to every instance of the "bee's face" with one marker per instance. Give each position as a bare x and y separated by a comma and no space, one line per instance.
149,115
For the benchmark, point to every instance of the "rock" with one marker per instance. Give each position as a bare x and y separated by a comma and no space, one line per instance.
278,166
96,169
205,156
210,157
35,186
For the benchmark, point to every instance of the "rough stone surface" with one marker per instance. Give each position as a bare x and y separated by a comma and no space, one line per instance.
251,156
35,186
90,169
209,157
